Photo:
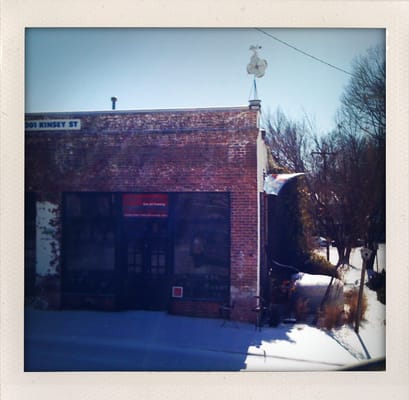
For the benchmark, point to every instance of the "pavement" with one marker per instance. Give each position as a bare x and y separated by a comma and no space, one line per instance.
157,341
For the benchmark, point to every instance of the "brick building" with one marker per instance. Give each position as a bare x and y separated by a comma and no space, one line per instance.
158,210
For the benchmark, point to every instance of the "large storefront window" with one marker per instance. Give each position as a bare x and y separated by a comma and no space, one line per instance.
89,243
139,245
202,244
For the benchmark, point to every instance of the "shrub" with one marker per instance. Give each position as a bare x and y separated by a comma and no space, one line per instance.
318,265
331,316
301,309
381,295
275,314
351,302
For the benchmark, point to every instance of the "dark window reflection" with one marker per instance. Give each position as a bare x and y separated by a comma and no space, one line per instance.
89,243
202,244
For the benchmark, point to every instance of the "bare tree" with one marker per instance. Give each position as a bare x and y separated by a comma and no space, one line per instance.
364,99
362,119
288,141
345,169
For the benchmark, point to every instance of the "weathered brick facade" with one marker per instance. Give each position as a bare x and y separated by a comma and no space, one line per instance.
209,150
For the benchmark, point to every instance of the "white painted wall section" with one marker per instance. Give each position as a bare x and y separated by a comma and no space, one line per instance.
46,238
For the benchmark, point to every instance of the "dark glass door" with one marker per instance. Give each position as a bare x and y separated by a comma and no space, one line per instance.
147,266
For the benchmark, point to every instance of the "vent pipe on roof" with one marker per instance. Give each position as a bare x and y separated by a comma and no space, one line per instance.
114,100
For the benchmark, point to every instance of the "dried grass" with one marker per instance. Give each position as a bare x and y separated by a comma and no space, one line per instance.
351,302
332,316
335,315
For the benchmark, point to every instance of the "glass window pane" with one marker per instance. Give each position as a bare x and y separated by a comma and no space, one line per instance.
202,244
89,243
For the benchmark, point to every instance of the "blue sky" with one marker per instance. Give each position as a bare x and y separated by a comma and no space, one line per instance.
81,69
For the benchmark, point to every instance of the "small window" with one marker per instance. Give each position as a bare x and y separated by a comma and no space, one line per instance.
89,205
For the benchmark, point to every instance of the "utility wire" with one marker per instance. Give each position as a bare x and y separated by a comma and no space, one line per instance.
304,53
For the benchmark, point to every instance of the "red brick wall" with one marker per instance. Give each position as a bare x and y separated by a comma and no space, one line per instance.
169,151
196,308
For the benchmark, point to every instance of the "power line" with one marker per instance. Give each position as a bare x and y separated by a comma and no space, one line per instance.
304,53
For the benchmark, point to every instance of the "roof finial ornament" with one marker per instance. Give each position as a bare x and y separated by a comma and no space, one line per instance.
257,68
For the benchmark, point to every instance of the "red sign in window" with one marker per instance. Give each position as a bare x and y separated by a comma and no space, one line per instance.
145,205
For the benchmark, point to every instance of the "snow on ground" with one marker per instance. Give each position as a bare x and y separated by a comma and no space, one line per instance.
346,347
157,341
371,341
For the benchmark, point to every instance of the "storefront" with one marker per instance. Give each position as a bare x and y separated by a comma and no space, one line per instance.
140,251
145,210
